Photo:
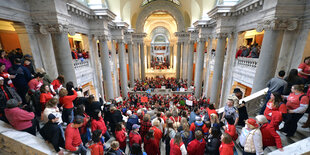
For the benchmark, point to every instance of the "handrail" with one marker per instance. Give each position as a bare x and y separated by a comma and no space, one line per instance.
299,147
247,99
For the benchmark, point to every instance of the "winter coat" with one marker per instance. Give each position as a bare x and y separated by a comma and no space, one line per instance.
196,147
227,149
270,136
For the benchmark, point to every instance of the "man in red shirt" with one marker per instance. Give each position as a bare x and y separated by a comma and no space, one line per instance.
134,136
36,83
73,138
198,145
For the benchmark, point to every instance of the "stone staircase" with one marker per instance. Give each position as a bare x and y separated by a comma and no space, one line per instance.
295,145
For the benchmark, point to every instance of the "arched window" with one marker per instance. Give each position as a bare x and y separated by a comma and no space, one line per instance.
145,2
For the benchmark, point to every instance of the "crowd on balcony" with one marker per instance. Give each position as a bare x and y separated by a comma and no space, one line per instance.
160,82
159,63
79,54
250,51
182,124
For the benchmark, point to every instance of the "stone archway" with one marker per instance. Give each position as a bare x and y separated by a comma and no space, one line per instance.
164,6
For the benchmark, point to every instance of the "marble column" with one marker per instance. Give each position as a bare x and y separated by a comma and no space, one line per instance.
208,71
48,55
178,60
115,68
106,68
199,66
268,59
94,59
123,68
142,60
286,51
63,56
228,68
218,69
136,60
184,60
190,62
131,65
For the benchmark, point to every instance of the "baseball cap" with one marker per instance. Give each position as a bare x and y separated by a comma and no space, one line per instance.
135,126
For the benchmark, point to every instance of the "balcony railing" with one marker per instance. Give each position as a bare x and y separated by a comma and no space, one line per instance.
244,71
83,71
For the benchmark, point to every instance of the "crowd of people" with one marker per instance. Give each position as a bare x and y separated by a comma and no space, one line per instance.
79,54
159,82
152,124
250,51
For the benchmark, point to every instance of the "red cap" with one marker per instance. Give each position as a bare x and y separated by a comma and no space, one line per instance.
252,122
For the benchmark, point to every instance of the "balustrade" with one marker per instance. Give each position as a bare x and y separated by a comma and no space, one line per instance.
83,71
244,70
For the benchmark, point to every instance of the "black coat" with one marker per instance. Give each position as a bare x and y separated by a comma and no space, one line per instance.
51,132
213,145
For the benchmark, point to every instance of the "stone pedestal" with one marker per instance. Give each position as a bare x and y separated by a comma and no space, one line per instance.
199,67
63,56
106,68
268,59
218,69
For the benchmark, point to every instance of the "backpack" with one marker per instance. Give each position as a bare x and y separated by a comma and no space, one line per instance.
198,128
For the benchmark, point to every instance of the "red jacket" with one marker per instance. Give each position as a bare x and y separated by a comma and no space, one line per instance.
151,147
67,101
98,124
174,148
134,138
157,134
270,136
227,149
276,119
204,128
121,138
20,119
196,147
73,138
211,111
231,130
83,127
96,149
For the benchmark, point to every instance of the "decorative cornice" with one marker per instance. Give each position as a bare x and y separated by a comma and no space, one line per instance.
277,24
56,28
221,35
81,10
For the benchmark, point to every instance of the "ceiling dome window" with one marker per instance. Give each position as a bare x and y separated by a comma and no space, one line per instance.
145,2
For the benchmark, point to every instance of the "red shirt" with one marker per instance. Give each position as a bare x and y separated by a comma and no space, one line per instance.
196,147
238,54
157,134
73,138
270,136
83,127
227,149
45,97
305,68
174,148
121,138
269,109
193,127
96,149
98,124
293,101
67,101
34,84
56,84
134,138
231,130
211,111
6,75
150,147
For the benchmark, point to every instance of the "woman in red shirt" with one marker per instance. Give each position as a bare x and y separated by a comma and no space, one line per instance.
304,69
150,144
57,84
227,146
275,98
121,135
297,104
7,77
98,123
177,147
45,96
67,103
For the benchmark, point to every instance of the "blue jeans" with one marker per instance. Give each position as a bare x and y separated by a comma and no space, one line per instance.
68,115
106,136
82,150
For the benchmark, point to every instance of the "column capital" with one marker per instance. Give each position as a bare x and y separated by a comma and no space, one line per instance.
277,24
56,28
103,37
221,35
201,40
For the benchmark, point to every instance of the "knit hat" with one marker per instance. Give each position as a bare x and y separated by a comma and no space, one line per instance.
135,126
51,116
252,122
261,119
12,103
